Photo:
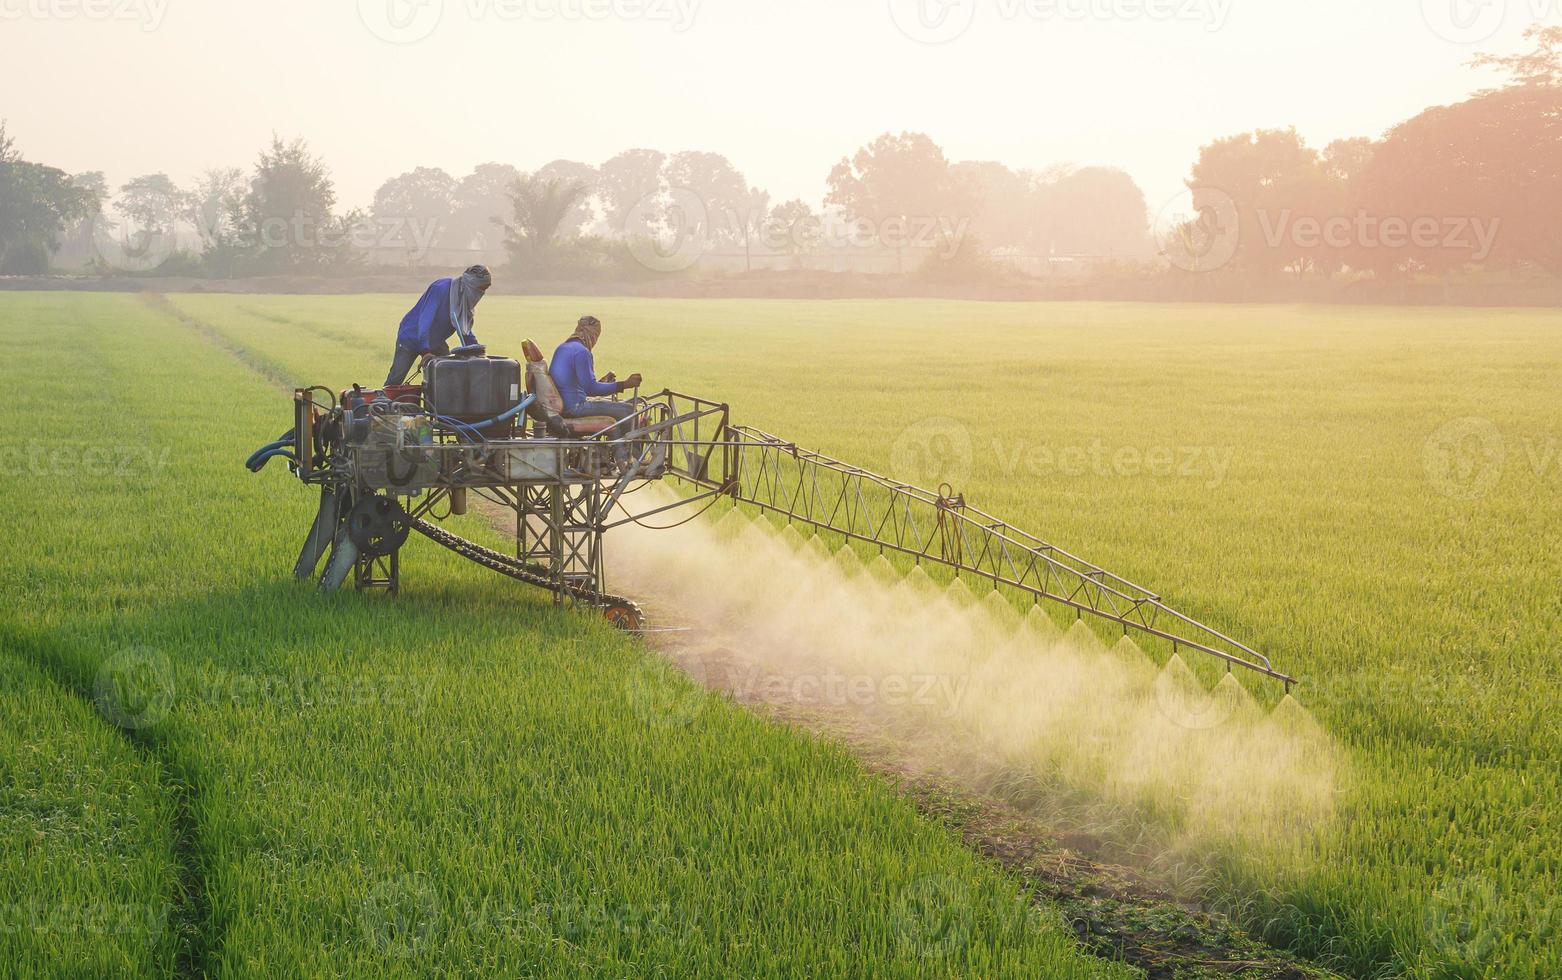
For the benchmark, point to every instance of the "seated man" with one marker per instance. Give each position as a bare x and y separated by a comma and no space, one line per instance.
445,308
575,376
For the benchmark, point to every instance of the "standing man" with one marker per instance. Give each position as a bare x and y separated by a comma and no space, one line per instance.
574,374
445,308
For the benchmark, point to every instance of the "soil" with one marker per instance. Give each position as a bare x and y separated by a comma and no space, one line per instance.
1114,911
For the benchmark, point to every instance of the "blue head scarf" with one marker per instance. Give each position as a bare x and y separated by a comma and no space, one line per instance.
465,291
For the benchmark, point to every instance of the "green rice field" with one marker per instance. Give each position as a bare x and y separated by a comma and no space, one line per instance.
210,770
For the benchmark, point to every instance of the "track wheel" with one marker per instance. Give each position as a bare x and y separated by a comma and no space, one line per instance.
624,615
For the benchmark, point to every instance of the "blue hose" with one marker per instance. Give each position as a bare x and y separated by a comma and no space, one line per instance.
470,429
503,416
256,465
258,458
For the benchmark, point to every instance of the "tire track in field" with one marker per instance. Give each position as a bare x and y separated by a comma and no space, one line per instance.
190,911
189,908
269,369
308,326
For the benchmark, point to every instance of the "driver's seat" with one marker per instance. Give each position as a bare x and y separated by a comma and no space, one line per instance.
540,384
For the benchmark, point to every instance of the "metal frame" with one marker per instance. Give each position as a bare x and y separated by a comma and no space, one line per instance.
564,509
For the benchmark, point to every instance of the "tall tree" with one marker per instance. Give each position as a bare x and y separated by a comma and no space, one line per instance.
900,184
210,204
1002,202
413,211
720,187
1270,177
629,180
153,202
286,217
539,206
480,206
36,204
1487,165
794,228
1094,211
574,172
1540,67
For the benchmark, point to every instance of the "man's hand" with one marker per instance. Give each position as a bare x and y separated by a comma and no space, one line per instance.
610,377
633,381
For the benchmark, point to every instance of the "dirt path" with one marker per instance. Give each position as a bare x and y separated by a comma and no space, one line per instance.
1114,912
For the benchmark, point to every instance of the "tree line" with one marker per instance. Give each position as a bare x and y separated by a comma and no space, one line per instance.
1470,185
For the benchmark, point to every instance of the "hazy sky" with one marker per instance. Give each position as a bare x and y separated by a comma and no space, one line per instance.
784,88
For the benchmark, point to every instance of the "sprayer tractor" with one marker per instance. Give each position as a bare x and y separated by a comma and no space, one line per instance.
396,461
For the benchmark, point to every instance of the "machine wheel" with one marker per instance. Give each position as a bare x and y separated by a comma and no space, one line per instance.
378,526
624,615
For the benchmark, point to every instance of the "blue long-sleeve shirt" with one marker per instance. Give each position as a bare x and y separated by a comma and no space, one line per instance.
426,327
575,375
